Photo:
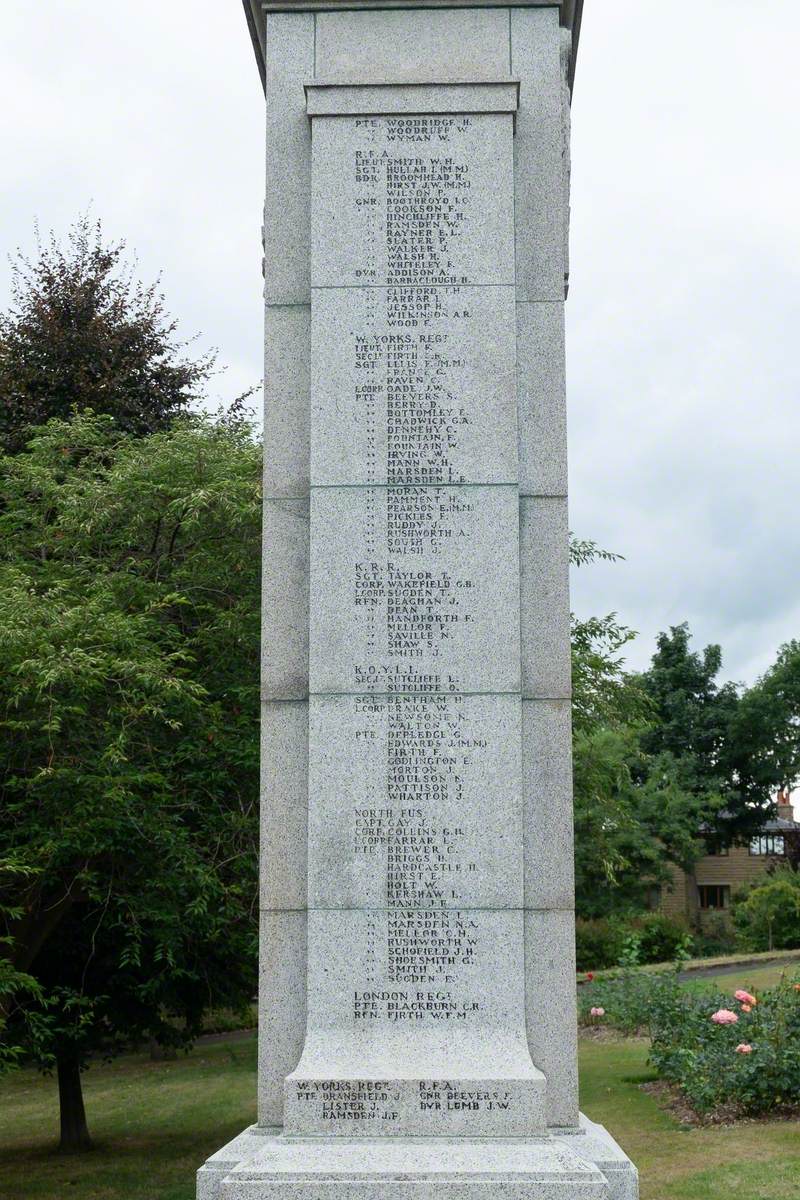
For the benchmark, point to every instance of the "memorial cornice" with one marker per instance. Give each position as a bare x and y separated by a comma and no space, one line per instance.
256,10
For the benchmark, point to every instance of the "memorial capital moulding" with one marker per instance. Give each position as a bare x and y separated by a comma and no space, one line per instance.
571,12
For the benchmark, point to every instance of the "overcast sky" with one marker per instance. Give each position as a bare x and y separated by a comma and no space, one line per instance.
684,311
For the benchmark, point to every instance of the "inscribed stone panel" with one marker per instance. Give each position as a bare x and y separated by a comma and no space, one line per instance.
415,800
402,998
414,385
425,200
415,589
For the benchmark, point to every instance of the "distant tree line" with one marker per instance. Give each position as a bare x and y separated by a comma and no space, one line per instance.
670,759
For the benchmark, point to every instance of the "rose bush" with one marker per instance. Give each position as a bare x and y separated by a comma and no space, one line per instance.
751,1063
734,1051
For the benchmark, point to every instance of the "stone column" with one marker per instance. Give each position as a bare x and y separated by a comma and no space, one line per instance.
418,1032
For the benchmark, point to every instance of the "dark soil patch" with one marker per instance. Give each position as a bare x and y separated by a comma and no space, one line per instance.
672,1100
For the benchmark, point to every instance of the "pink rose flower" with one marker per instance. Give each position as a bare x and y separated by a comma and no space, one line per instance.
744,997
597,1012
743,1048
724,1016
747,1008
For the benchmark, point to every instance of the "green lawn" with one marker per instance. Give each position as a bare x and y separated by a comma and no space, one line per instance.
745,1162
155,1122
752,979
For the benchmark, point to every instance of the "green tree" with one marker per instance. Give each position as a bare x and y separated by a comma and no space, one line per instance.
129,580
636,810
617,852
699,724
83,333
764,748
767,914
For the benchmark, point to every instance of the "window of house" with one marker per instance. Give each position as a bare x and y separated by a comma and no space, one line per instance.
767,843
716,849
652,897
714,895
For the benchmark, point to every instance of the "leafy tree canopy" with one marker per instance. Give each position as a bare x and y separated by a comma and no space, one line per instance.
633,812
764,749
721,741
82,332
129,580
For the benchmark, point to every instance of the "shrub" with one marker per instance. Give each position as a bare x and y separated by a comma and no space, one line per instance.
767,915
649,938
720,1049
750,1064
718,937
661,939
598,944
630,999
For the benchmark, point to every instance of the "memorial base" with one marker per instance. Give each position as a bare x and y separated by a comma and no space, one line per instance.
581,1164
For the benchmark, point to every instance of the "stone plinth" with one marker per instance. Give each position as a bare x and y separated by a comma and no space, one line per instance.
418,1028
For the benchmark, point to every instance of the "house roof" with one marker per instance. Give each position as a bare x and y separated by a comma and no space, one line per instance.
255,10
775,825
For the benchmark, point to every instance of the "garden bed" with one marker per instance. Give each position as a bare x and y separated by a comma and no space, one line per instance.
728,1055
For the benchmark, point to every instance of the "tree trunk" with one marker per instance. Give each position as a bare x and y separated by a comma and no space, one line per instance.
74,1130
692,897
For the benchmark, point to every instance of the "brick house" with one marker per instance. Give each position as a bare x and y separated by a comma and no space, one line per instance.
724,869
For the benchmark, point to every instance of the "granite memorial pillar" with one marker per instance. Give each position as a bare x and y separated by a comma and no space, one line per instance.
417,1008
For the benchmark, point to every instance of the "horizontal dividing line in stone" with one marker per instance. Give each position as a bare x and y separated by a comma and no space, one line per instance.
425,1176
304,699
399,487
462,907
380,695
360,287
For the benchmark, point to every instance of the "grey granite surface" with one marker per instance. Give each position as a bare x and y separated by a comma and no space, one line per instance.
418,1035
453,173
414,589
287,208
549,878
287,403
419,795
414,385
425,44
284,600
544,598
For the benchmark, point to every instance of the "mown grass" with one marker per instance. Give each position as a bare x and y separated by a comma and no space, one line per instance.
748,1161
752,979
772,962
155,1122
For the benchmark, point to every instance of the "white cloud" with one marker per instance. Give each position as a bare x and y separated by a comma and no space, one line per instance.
682,361
681,357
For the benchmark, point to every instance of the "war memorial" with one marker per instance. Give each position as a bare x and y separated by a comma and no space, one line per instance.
417,1009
